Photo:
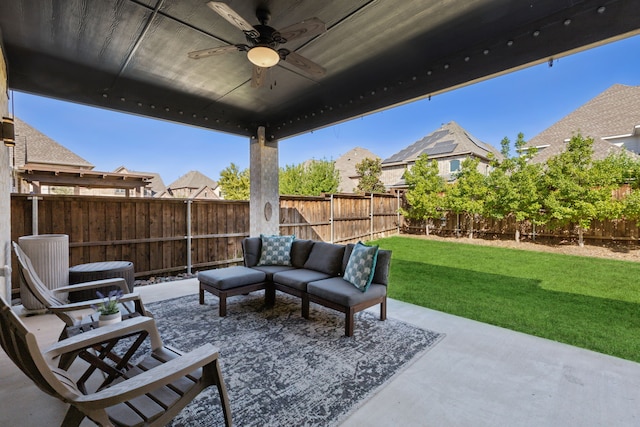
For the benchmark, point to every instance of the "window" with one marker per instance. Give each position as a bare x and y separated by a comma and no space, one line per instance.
454,166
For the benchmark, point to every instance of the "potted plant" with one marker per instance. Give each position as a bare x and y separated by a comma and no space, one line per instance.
109,308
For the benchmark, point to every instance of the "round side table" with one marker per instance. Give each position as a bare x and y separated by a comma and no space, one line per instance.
97,271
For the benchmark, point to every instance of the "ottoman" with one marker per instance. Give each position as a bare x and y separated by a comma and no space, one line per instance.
230,281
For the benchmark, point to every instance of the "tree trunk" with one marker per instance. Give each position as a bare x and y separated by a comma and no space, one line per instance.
426,227
580,237
471,227
517,234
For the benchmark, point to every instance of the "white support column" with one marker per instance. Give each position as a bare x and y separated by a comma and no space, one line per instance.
5,188
264,216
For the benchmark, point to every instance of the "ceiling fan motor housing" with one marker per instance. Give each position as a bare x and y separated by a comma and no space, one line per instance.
268,37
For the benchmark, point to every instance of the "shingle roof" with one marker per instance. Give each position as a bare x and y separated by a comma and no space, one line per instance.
449,140
616,111
34,147
346,166
156,184
193,179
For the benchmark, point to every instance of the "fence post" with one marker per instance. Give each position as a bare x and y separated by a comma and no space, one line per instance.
34,214
331,216
189,237
371,218
398,212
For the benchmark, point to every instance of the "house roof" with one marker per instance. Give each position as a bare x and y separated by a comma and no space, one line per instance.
34,147
346,166
156,183
194,180
614,112
448,141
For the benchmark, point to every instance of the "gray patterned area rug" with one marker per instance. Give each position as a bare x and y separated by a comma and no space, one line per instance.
281,369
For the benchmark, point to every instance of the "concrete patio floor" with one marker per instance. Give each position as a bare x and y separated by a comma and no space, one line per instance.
478,375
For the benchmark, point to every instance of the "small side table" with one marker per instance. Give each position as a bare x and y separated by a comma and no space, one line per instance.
97,271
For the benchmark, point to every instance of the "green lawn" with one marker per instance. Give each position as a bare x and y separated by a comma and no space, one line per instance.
587,302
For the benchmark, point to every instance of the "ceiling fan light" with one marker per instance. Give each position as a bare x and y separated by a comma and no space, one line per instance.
263,56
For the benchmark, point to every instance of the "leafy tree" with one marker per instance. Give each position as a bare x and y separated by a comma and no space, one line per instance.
234,183
469,192
514,187
321,177
369,171
425,193
577,192
311,179
291,178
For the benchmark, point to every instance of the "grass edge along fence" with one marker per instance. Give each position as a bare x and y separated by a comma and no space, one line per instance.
170,236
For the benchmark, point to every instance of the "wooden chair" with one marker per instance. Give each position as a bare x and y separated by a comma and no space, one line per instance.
74,314
151,393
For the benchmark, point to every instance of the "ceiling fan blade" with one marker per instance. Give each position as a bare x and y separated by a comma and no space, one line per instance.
307,28
197,54
305,64
259,76
230,15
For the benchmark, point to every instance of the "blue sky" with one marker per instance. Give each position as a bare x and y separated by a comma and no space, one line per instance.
525,101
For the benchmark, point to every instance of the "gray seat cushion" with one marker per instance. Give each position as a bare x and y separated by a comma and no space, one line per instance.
298,278
231,277
270,270
338,290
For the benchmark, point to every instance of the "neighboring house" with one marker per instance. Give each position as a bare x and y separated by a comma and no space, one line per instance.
41,165
449,146
156,184
346,167
193,185
612,119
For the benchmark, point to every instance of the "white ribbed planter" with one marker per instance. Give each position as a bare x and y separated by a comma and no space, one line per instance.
49,254
109,319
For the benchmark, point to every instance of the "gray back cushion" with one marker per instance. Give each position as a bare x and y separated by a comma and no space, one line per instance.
381,275
345,259
251,248
325,257
300,250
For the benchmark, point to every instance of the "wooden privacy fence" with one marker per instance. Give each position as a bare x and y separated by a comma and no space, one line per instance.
169,236
600,232
340,218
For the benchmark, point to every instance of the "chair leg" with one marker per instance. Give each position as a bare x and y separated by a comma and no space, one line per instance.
305,306
73,418
349,322
383,309
201,295
269,296
224,397
223,304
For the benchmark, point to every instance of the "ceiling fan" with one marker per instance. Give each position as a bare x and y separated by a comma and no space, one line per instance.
263,42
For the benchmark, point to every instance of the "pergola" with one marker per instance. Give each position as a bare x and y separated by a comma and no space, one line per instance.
131,56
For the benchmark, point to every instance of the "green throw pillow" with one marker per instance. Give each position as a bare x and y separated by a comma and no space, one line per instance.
361,266
276,250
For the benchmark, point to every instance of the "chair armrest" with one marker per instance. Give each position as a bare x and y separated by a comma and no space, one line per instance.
73,306
106,333
150,380
116,281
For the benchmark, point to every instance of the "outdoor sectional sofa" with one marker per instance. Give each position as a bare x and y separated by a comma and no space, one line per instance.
316,273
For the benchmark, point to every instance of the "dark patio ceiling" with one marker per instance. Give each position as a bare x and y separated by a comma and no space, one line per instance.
131,55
